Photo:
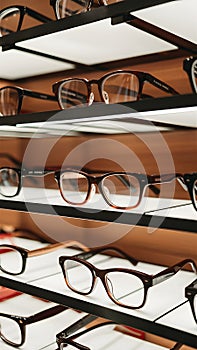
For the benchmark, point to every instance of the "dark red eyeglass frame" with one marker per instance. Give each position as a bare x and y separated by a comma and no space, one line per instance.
147,279
24,321
141,76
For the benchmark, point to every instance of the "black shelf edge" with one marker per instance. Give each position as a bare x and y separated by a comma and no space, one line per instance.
122,318
102,109
145,220
103,12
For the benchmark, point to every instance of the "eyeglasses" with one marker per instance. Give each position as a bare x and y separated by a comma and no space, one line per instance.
65,8
11,98
13,259
13,328
125,287
191,295
190,67
12,17
116,87
120,190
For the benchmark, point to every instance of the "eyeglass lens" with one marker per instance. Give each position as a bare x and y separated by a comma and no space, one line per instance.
74,187
66,8
11,260
127,289
9,182
9,101
10,330
194,74
9,20
73,93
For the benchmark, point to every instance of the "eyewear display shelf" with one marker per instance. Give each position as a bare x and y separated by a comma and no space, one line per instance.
171,319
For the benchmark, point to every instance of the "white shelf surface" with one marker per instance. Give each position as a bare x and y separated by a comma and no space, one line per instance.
148,204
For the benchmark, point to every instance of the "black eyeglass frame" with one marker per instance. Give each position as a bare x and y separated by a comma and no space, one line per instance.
24,10
188,65
54,4
24,321
147,279
190,294
25,92
141,76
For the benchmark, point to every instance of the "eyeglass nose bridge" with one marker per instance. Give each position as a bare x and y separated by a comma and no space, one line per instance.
91,93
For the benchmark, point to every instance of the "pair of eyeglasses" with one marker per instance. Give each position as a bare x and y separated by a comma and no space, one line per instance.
12,18
89,338
11,98
191,295
190,67
125,287
13,328
13,259
115,87
120,190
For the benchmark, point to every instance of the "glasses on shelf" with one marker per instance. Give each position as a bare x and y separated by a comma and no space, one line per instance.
66,8
13,259
12,18
120,190
125,287
191,295
190,67
11,98
115,87
13,328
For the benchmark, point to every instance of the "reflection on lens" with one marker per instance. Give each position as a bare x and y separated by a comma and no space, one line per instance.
121,190
78,275
120,87
73,93
65,8
9,20
125,288
74,187
10,330
11,260
195,193
195,306
9,182
9,101
194,74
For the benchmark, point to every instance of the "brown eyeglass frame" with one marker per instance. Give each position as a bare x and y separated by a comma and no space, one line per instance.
24,321
141,76
25,253
147,279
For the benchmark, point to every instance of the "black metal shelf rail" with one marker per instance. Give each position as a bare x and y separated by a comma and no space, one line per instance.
117,316
145,220
103,12
102,109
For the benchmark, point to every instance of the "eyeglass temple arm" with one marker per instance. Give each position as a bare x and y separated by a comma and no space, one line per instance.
76,326
45,314
39,95
55,246
160,84
93,252
177,346
157,179
171,271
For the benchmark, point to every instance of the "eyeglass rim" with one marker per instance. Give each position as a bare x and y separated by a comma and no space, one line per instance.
190,294
18,171
20,93
24,254
187,67
145,278
20,321
190,180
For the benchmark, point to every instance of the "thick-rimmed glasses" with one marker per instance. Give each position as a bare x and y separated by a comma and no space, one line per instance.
115,87
125,287
66,8
191,295
12,17
13,259
13,328
11,98
190,67
120,190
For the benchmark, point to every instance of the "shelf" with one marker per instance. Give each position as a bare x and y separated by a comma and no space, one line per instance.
178,110
152,212
50,284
